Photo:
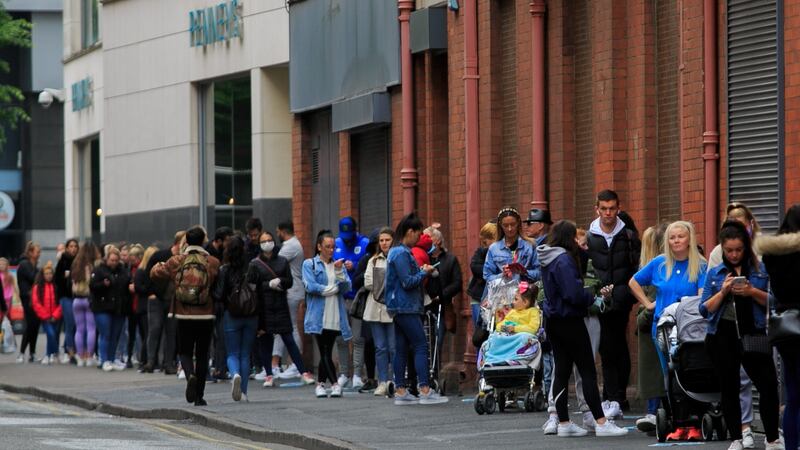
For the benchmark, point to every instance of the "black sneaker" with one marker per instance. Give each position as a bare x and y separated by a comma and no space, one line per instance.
129,364
147,368
170,370
200,402
191,389
369,386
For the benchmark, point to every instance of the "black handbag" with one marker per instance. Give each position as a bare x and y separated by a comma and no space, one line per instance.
784,327
756,343
359,304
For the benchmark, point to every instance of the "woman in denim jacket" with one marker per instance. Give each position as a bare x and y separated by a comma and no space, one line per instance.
326,281
404,302
736,310
510,248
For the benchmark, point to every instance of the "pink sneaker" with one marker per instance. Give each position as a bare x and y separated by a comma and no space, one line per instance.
269,381
308,378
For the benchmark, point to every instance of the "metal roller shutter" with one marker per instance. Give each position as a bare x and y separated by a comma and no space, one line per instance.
324,172
754,175
371,151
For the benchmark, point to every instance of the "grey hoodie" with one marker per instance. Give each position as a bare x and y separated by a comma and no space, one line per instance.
548,254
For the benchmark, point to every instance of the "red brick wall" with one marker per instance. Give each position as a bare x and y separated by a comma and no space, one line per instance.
791,30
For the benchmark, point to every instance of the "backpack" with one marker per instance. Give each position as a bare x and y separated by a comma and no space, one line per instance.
243,299
192,280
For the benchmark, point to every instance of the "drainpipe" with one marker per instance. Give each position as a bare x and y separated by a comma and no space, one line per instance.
408,173
538,9
711,132
472,148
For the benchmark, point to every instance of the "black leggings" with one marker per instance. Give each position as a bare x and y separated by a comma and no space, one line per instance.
137,321
725,350
571,345
31,334
614,355
326,342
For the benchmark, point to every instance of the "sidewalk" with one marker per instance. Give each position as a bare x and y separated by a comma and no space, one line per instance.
292,415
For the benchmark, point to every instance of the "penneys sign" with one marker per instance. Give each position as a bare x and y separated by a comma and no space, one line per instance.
219,23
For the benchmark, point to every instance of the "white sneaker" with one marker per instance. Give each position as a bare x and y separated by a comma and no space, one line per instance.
236,387
269,381
609,429
336,390
276,371
777,445
320,391
81,362
64,358
551,426
244,398
648,423
260,376
357,383
181,375
747,438
46,361
588,421
382,389
289,373
107,366
342,381
611,410
405,399
736,445
119,366
432,398
20,359
570,430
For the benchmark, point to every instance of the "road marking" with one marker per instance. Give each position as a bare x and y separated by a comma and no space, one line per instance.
181,432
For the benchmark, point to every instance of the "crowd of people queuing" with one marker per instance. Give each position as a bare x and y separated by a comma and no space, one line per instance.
235,300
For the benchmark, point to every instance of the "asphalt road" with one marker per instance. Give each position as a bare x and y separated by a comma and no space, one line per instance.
29,423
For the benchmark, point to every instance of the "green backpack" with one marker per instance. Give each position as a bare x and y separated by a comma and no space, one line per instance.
192,280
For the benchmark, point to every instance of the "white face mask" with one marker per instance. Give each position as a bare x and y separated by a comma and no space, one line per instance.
267,246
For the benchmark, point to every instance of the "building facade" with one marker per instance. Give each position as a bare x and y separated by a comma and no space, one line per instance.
678,105
177,114
31,162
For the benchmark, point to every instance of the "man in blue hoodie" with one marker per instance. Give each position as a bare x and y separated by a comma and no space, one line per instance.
351,246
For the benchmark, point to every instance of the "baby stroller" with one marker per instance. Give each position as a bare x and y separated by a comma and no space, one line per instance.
693,396
511,380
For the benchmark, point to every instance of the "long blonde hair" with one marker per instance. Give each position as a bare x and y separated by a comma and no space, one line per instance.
148,253
652,243
695,258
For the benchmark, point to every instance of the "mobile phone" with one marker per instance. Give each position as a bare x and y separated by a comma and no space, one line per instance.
739,280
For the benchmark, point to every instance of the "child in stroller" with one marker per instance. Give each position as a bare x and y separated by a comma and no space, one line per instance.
509,357
692,408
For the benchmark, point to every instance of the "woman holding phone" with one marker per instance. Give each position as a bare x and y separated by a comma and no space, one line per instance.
511,256
326,281
735,305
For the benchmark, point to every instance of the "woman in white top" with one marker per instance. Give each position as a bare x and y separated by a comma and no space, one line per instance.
326,281
375,314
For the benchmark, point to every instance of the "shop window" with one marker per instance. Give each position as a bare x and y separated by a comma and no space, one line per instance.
90,24
233,178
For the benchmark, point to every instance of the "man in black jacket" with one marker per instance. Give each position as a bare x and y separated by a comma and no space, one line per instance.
614,250
444,286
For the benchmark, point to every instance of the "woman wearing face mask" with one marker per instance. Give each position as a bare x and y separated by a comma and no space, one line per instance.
326,281
272,276
510,251
680,271
734,302
109,287
375,314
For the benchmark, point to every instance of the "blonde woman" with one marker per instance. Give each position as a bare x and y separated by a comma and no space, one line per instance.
651,379
680,271
477,284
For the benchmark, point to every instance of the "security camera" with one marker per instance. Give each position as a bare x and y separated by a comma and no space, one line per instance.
46,99
49,95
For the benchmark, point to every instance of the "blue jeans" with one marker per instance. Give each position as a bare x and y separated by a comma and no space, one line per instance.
790,355
240,333
51,330
383,336
69,324
476,314
409,335
110,327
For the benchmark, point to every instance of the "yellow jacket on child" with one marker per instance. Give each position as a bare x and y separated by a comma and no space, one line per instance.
527,321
